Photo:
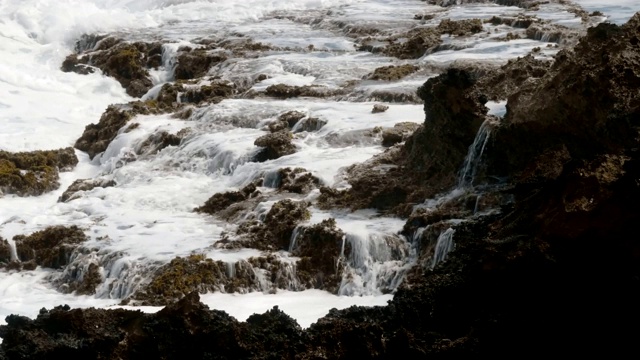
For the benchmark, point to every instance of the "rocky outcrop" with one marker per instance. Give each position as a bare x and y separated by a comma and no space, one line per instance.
195,63
557,270
274,233
274,145
392,72
34,173
79,185
5,252
128,63
322,249
398,133
298,181
460,27
51,247
283,91
222,201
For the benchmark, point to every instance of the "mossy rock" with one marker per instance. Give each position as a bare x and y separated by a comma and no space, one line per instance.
182,276
87,283
221,201
34,173
392,72
128,63
51,247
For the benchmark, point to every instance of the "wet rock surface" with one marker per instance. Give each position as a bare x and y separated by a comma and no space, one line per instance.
128,63
34,173
79,185
275,145
554,268
51,247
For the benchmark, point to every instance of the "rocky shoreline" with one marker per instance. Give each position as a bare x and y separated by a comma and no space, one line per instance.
545,260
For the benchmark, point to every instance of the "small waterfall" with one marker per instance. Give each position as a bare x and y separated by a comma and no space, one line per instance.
443,247
472,160
294,236
377,264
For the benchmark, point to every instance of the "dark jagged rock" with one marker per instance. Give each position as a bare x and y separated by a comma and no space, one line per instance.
297,180
83,185
428,161
51,247
221,201
34,173
508,79
274,233
322,251
275,145
158,141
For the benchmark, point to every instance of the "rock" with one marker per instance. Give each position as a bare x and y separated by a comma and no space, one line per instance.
501,83
125,62
398,133
297,180
221,201
392,73
5,252
158,141
213,93
195,63
378,108
309,124
51,247
83,185
460,27
283,91
274,233
320,248
416,43
34,173
96,137
275,145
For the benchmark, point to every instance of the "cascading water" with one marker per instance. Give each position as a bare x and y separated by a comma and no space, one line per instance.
444,245
471,162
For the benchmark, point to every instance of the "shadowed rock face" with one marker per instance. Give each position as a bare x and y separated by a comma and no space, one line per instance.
558,270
